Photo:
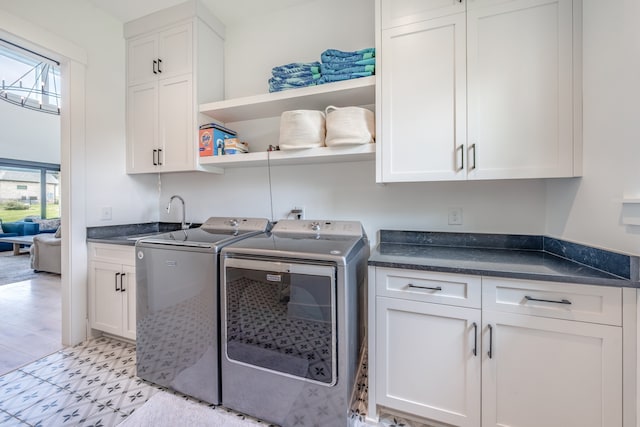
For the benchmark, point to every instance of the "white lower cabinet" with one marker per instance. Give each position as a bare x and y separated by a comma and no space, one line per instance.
112,289
550,372
531,354
428,360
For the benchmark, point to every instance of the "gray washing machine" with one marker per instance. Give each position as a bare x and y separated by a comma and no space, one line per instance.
177,314
292,321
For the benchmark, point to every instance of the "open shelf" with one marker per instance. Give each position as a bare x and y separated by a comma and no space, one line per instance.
351,153
356,92
345,93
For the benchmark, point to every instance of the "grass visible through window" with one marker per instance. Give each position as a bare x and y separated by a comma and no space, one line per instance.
10,215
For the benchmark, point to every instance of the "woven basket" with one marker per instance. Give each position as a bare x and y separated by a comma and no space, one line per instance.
301,129
349,125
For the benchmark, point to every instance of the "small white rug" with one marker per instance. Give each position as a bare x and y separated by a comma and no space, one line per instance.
168,410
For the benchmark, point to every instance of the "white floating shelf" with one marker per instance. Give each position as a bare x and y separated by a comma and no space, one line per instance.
344,93
352,153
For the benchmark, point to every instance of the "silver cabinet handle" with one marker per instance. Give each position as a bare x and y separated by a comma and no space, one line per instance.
562,301
434,288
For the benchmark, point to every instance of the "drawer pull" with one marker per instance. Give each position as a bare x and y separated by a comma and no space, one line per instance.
562,301
430,288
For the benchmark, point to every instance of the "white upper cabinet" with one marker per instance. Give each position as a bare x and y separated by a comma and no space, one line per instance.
422,112
162,54
520,89
478,89
166,80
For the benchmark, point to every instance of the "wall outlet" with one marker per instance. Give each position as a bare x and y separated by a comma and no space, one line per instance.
297,212
455,216
105,213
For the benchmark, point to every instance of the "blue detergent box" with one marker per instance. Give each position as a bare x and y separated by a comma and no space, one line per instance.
211,139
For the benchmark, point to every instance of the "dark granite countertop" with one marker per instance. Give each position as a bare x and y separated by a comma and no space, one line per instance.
127,234
518,257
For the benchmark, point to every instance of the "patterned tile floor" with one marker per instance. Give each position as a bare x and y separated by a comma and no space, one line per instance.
94,384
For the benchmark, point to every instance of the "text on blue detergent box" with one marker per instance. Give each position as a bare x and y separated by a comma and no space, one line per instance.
211,139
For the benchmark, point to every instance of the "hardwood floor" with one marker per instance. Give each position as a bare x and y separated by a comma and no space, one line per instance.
31,321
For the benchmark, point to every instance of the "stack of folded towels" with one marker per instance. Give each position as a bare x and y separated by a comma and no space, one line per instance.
338,65
294,75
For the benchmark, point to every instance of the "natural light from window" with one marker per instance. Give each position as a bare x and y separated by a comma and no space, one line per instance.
29,80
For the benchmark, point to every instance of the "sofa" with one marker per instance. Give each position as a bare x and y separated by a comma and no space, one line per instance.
17,228
43,225
46,252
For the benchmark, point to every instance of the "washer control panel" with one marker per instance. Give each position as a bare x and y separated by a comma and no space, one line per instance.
315,227
232,223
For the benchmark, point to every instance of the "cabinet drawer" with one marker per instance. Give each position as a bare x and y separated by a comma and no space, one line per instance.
441,288
587,303
119,254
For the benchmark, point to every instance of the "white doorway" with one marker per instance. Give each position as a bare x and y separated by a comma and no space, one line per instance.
72,124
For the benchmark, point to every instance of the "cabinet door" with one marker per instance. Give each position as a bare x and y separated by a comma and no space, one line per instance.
423,129
402,12
520,98
141,52
425,361
129,302
105,297
550,372
175,51
176,124
142,128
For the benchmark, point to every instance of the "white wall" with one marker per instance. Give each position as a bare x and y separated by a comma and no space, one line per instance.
588,210
29,135
348,191
132,198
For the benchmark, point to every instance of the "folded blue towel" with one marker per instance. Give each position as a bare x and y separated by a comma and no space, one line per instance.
327,78
339,65
298,75
296,67
277,87
300,81
347,70
334,55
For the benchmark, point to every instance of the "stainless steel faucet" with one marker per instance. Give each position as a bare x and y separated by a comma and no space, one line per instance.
184,214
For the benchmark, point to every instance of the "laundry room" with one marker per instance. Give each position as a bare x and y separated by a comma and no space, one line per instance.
473,261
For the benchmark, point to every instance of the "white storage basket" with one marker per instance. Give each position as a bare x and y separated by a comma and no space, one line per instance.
301,129
349,125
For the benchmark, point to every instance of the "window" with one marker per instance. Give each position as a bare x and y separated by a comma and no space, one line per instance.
28,79
29,189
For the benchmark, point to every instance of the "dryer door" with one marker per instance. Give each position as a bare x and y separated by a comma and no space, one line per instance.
281,317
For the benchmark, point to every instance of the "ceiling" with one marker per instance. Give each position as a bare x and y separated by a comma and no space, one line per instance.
227,11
